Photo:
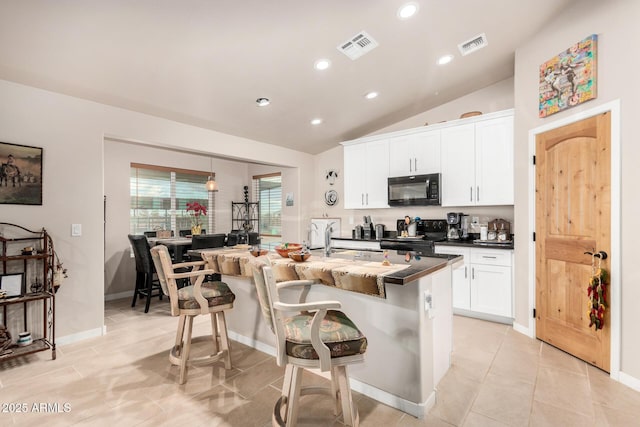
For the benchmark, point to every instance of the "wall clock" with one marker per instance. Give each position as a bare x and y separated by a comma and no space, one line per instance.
331,197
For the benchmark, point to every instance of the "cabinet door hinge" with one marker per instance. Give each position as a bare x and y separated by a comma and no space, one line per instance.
534,313
534,236
534,160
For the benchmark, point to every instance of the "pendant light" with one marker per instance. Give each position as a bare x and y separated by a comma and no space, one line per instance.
211,184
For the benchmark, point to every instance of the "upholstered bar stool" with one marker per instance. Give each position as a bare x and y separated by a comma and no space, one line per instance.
200,297
308,335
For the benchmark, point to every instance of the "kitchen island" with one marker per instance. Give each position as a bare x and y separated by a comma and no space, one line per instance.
408,327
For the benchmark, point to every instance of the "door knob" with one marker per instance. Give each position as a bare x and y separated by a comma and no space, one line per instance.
600,254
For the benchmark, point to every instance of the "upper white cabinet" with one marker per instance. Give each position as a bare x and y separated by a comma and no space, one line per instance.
474,156
366,169
477,163
414,154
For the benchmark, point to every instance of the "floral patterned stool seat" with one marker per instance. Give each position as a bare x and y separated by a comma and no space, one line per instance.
200,297
316,336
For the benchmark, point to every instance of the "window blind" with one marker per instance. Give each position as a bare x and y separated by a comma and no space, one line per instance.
267,189
159,197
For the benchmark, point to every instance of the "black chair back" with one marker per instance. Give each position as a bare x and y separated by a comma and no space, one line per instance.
254,238
208,241
232,238
142,253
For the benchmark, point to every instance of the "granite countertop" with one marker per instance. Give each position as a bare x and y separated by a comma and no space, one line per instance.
419,265
493,244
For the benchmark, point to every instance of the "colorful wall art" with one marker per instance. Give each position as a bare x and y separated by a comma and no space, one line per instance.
569,78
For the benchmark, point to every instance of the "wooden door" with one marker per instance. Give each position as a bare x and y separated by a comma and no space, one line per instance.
573,216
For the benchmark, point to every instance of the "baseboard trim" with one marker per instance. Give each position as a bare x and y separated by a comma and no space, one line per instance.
525,330
80,336
418,410
411,408
119,295
252,342
629,381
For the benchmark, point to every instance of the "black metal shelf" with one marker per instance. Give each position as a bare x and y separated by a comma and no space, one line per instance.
38,269
245,216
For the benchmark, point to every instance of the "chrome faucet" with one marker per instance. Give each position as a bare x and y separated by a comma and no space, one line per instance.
313,228
327,238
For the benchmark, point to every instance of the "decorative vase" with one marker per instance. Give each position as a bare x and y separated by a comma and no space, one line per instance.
196,229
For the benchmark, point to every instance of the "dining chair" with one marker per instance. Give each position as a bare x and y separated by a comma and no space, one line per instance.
232,238
205,241
147,284
308,335
200,297
254,238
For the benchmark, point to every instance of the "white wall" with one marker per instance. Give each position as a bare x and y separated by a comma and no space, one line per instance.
615,22
490,99
71,132
231,176
496,97
292,225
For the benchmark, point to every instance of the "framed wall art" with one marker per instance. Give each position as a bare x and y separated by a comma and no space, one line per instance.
569,78
20,174
12,285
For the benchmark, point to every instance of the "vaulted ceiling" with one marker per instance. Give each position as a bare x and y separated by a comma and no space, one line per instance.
205,62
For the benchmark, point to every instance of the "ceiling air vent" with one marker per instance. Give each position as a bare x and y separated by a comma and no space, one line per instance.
358,45
470,46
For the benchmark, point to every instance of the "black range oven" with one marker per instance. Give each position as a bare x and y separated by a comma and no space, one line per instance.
428,231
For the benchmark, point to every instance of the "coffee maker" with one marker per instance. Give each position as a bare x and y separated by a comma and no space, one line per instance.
454,231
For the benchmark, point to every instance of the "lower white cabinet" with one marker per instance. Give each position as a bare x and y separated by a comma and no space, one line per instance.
483,284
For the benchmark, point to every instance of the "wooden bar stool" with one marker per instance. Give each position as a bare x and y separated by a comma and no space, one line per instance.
200,297
308,335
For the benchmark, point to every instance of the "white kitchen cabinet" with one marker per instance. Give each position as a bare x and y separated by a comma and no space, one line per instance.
458,165
414,154
482,286
477,163
366,169
460,283
491,289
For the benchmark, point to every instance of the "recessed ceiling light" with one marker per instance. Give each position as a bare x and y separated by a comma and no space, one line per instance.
445,59
263,102
371,95
322,64
408,10
316,121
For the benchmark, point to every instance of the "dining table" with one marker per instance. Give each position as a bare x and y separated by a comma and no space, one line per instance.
177,246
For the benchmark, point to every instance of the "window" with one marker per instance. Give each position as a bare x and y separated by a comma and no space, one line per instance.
159,197
267,189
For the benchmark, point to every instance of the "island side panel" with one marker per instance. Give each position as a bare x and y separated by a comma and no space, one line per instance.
399,359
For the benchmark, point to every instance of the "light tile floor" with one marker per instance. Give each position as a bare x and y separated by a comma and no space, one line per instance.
498,378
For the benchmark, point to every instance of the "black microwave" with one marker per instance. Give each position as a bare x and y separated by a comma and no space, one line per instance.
414,190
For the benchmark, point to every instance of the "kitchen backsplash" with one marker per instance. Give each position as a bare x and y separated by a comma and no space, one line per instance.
388,217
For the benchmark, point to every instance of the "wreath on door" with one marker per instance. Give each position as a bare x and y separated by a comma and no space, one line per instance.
597,294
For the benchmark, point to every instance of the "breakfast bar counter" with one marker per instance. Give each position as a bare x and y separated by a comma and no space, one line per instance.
404,309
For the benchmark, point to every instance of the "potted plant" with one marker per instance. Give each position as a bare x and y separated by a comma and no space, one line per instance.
195,211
